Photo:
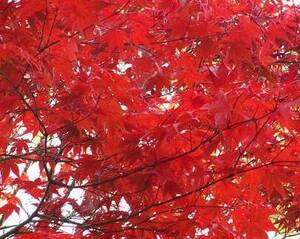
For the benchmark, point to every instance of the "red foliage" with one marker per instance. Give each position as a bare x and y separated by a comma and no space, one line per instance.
149,119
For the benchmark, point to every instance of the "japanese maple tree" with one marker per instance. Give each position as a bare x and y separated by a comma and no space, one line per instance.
149,118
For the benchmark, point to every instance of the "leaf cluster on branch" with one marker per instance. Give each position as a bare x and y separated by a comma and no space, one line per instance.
149,119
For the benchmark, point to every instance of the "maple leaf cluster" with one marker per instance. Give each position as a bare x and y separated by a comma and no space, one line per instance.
167,118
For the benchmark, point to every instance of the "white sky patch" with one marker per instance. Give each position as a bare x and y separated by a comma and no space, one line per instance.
292,2
124,206
77,194
122,67
33,171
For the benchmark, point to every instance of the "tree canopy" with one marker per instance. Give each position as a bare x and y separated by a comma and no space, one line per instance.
149,119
